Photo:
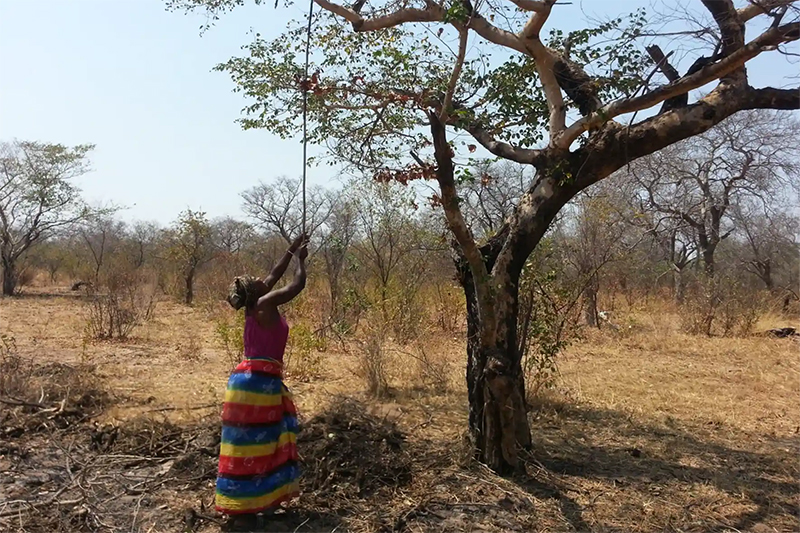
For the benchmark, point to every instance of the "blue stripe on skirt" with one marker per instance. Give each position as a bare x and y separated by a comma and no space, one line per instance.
235,488
252,382
242,436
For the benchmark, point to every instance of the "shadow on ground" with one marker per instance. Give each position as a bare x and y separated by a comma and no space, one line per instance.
608,470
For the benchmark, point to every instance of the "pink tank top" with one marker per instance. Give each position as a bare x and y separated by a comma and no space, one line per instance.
265,342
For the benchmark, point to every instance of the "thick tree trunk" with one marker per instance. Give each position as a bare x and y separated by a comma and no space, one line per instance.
498,421
709,266
189,287
678,284
764,269
707,248
10,278
590,301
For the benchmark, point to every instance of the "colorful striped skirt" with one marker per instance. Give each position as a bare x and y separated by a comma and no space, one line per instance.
258,462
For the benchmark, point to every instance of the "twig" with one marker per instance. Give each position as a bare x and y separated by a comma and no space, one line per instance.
18,403
195,408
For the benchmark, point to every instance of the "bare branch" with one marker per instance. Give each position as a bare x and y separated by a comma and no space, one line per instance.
462,233
537,20
503,149
463,35
771,98
531,5
662,62
396,18
760,7
498,36
546,61
730,26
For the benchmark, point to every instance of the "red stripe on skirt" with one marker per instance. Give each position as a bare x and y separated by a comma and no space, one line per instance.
240,413
262,365
244,466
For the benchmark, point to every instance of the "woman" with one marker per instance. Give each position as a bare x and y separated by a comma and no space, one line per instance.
258,463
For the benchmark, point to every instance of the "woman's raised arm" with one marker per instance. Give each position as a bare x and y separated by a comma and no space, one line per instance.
290,291
280,267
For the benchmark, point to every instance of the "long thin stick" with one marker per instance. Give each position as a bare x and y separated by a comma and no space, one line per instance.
305,109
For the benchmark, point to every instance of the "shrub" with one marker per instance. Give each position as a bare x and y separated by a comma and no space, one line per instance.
123,300
302,360
372,361
432,371
230,334
14,374
722,306
548,322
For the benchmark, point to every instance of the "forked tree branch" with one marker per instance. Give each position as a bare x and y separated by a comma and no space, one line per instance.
545,59
768,39
730,25
401,16
526,42
536,21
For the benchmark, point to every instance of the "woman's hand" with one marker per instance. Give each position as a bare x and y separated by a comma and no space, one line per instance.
303,254
298,242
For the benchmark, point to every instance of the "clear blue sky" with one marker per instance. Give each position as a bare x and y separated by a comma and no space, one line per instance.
136,80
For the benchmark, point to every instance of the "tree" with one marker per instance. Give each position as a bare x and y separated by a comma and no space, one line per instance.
389,239
490,194
190,245
55,255
748,156
596,238
142,240
340,231
278,206
396,91
770,242
37,198
231,236
103,236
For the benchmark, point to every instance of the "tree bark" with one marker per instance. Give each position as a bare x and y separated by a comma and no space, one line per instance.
709,266
189,287
498,422
590,301
707,246
10,278
764,271
679,284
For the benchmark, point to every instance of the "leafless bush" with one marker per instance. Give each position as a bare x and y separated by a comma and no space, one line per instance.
721,306
14,374
124,300
740,313
432,370
373,361
699,311
450,308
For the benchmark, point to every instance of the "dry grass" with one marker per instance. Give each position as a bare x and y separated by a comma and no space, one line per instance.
648,430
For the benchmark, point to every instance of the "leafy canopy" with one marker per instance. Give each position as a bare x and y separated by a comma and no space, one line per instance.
369,90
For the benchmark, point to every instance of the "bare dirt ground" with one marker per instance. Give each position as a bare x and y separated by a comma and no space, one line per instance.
647,430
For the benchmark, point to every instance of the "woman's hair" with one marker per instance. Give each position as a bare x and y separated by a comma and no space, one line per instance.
243,292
